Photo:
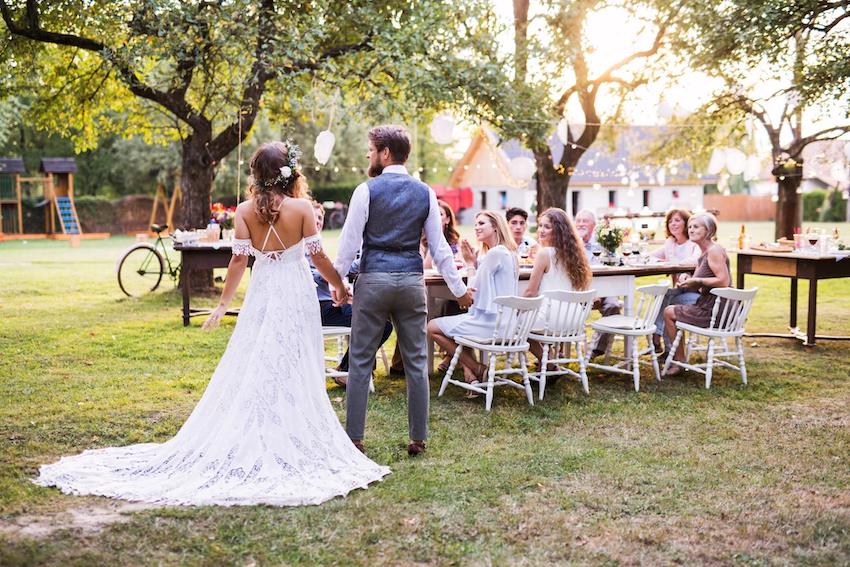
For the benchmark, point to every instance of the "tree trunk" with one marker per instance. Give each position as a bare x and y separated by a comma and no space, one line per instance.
789,212
552,185
196,179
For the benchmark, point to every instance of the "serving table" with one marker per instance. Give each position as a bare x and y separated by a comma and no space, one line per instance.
795,265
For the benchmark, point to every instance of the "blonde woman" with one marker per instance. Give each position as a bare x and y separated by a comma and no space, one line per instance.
495,275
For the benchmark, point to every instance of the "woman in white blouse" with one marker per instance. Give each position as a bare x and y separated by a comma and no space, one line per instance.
496,274
677,249
561,264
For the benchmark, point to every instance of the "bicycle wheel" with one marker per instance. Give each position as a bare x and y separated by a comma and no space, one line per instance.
140,270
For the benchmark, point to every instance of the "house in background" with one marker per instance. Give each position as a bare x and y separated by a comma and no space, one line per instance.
605,181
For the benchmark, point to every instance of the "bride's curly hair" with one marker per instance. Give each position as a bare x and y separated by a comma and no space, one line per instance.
269,166
569,248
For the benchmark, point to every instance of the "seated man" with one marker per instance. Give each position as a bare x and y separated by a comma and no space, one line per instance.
335,316
585,222
518,221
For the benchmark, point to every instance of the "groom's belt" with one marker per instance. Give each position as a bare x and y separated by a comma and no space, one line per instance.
414,248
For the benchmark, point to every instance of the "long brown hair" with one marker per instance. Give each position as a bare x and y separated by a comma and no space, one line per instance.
267,181
450,230
503,233
569,248
685,214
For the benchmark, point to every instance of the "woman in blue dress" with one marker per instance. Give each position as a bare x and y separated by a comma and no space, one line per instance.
494,273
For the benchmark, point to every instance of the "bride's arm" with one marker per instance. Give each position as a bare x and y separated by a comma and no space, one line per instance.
235,270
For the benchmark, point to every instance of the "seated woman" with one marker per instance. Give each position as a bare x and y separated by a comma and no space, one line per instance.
680,250
496,274
447,217
712,271
560,264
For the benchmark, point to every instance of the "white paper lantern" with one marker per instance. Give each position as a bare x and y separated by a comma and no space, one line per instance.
753,168
664,110
561,130
736,161
717,161
522,168
442,129
576,127
661,176
324,146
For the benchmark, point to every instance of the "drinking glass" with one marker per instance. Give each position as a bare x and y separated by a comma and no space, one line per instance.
643,252
596,250
626,251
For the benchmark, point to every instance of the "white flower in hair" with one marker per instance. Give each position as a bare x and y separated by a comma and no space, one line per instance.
286,171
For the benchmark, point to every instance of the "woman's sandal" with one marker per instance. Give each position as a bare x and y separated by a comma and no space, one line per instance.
477,380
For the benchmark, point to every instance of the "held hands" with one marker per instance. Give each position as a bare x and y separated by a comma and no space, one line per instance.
465,300
340,296
214,319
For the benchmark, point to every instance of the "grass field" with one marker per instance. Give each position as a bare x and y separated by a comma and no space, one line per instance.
754,475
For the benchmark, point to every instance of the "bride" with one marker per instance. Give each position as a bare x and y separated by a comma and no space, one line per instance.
264,432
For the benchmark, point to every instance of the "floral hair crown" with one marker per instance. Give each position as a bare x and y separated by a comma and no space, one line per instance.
288,170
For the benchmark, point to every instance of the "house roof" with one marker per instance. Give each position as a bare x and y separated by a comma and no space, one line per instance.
58,165
12,165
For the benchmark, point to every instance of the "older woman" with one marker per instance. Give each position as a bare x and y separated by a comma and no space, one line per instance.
496,274
680,250
712,271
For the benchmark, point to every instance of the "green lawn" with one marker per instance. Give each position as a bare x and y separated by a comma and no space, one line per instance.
753,475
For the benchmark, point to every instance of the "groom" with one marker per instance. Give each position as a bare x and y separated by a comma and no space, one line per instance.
387,215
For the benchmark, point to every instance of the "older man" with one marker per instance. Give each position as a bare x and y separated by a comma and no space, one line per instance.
585,222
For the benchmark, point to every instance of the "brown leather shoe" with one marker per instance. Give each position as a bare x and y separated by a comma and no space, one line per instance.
415,448
359,445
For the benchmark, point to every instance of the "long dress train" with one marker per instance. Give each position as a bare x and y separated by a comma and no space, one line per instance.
264,431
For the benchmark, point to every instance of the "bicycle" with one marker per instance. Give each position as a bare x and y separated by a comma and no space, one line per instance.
141,267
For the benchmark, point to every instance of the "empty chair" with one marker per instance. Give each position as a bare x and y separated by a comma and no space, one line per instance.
514,319
564,318
731,309
641,324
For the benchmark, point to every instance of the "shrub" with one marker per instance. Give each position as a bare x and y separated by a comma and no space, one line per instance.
812,203
834,208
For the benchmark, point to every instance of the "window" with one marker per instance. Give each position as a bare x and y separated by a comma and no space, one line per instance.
503,200
646,197
575,203
483,200
612,198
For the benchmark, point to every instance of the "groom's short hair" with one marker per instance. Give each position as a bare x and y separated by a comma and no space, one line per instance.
394,138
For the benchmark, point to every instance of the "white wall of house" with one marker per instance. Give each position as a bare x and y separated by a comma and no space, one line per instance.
632,200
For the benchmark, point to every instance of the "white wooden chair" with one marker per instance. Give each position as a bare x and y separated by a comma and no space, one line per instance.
342,335
731,309
516,316
641,324
564,325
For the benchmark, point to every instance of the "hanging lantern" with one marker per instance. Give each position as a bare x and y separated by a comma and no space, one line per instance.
442,129
522,168
561,130
661,176
717,161
664,110
752,169
736,161
324,146
576,127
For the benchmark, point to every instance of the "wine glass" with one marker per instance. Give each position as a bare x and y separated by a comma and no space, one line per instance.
596,250
643,252
626,251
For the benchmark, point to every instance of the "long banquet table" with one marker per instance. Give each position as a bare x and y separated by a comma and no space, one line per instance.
607,281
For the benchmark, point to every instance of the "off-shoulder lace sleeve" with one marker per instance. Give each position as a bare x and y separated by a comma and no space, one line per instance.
313,244
241,247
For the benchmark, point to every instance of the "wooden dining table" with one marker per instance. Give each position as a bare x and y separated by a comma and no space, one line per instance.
608,281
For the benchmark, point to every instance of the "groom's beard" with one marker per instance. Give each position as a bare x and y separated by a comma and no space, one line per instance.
375,170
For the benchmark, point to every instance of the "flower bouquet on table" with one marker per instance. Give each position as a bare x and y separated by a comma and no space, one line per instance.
609,238
224,217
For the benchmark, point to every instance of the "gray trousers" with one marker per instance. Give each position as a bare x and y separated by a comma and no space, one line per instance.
599,341
379,296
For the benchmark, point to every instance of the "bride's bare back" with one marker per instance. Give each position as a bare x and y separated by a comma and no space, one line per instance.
295,221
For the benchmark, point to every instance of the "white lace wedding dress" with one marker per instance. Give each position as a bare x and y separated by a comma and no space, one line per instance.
264,432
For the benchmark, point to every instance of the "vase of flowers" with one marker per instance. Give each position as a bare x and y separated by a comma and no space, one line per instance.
223,216
609,238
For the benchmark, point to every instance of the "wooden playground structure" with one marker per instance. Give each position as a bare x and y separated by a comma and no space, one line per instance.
56,185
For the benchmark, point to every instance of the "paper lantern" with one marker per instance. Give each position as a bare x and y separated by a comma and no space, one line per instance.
664,110
443,129
717,161
561,130
752,169
576,127
522,168
661,176
736,161
324,146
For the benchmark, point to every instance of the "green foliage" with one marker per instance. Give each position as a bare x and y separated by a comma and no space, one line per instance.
834,208
95,211
812,203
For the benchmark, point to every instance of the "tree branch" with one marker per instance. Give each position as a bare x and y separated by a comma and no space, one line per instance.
830,133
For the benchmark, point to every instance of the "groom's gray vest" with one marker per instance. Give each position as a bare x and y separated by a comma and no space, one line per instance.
398,207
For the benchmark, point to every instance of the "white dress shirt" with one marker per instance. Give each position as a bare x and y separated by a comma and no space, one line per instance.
351,238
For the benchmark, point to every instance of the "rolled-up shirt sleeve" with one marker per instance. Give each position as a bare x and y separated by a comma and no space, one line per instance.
351,238
440,250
